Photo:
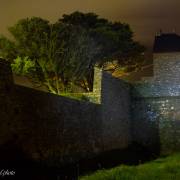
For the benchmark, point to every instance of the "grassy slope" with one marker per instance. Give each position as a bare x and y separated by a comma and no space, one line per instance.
164,169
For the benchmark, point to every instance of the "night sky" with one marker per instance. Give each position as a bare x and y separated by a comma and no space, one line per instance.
145,17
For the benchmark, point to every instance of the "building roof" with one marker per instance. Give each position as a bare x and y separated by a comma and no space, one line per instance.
169,42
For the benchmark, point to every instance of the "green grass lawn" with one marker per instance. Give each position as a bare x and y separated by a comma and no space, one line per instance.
163,168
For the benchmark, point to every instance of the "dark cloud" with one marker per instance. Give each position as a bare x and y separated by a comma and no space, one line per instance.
145,16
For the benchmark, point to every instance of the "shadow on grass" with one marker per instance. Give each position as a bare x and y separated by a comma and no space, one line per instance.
13,159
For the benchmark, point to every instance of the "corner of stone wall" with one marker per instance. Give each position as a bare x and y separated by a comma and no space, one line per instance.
115,102
95,96
6,102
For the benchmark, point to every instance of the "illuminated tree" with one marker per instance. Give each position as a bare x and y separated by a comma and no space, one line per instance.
62,55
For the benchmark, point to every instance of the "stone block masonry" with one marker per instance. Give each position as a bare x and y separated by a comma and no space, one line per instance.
116,112
156,123
52,127
155,109
167,68
57,130
6,103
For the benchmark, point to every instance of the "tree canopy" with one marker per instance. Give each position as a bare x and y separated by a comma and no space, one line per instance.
63,54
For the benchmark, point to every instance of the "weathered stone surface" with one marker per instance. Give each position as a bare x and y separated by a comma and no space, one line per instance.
6,103
155,109
167,68
56,130
156,123
115,101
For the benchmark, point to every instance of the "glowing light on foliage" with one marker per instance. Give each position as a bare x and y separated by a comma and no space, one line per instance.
23,66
